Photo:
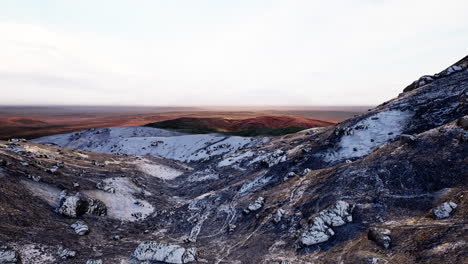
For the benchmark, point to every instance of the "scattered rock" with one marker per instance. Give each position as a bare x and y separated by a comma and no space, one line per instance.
257,204
7,255
375,261
16,140
279,215
289,175
167,253
231,228
52,170
463,122
305,171
36,178
94,261
320,230
444,210
95,163
81,228
407,139
66,253
105,187
381,236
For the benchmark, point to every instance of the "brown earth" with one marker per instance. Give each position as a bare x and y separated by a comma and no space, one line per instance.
32,125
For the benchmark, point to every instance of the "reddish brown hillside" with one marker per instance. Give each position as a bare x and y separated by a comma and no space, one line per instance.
220,124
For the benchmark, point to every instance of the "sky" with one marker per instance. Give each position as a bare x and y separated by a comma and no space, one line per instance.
220,52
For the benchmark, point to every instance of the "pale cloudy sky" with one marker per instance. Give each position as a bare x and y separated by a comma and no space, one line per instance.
220,52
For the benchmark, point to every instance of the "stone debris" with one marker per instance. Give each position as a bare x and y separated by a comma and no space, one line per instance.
94,261
66,253
289,175
375,261
254,206
279,215
105,187
463,122
407,139
80,227
167,253
320,230
305,171
98,164
52,170
381,236
231,228
444,210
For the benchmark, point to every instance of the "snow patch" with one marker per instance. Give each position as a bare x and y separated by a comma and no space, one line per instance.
159,171
122,204
44,191
374,131
145,141
232,159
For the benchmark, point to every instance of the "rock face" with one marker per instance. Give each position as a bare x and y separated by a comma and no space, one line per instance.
257,204
426,79
7,255
167,253
320,230
444,210
381,236
80,228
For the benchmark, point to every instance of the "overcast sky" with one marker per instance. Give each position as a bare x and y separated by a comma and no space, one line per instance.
220,52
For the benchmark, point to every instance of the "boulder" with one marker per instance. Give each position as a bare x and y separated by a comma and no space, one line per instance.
444,210
77,205
71,205
81,228
66,253
167,253
289,175
320,230
7,255
305,171
463,122
407,139
279,215
254,206
381,236
96,207
231,228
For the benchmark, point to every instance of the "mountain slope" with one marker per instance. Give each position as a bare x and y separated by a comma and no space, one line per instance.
388,186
